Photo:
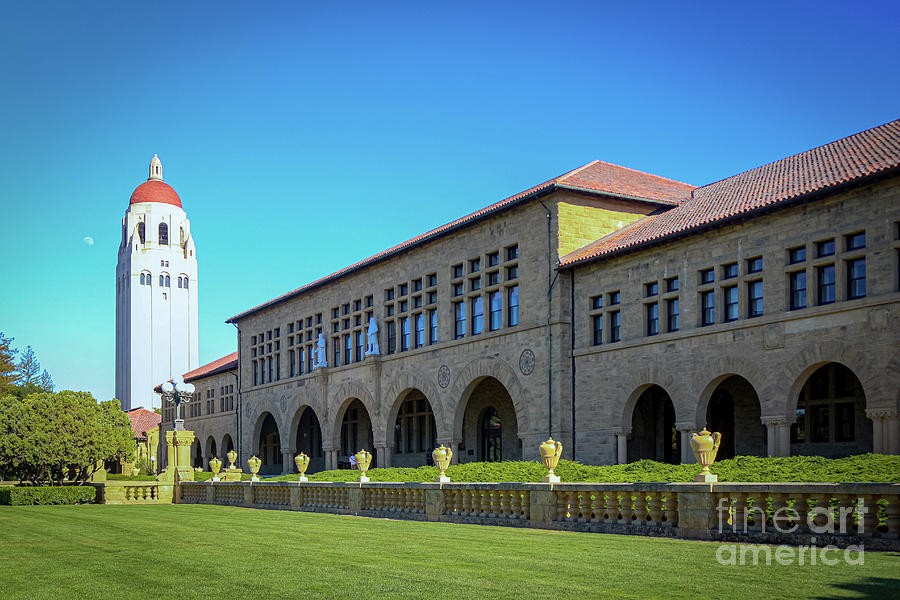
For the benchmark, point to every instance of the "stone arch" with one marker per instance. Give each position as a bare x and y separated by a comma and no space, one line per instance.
211,449
657,423
400,387
730,404
644,379
271,462
727,366
338,401
196,454
474,373
227,444
295,422
316,451
785,390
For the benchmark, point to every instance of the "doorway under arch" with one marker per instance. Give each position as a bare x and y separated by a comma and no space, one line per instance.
653,433
309,440
734,411
270,447
489,425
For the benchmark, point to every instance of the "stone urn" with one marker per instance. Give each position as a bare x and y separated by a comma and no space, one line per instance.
215,465
302,462
442,457
254,464
232,458
363,461
550,453
705,445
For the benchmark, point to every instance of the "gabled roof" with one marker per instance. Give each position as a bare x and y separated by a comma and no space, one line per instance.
595,178
142,421
226,363
846,161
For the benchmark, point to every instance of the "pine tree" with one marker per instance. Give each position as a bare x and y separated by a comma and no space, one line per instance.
29,368
46,382
8,369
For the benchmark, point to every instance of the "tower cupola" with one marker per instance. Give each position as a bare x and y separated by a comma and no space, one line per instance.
155,169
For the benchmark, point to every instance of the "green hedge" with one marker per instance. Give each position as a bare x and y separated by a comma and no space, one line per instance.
860,468
70,494
123,477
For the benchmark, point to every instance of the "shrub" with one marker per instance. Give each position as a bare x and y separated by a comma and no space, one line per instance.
853,469
57,494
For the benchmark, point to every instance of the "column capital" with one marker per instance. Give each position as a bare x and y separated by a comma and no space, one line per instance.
688,426
626,431
882,413
778,419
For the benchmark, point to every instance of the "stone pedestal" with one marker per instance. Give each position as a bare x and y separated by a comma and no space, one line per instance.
178,450
697,515
233,474
550,479
706,478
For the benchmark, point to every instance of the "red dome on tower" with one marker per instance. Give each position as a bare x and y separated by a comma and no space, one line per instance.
155,191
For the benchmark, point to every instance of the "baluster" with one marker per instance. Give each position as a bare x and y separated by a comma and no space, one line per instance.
626,508
654,507
481,503
738,512
756,514
611,508
671,513
801,508
515,503
869,519
502,510
562,506
892,518
640,509
780,522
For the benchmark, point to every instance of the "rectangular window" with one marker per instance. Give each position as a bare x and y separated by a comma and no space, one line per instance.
360,345
856,278
433,327
493,259
417,285
598,329
596,302
404,306
651,289
293,361
404,289
825,278
819,417
348,349
475,284
309,359
459,318
270,369
708,308
495,303
335,312
614,298
336,347
512,253
512,306
417,301
493,278
796,255
825,248
798,289
474,265
391,337
754,265
432,280
856,241
754,298
277,367
729,271
615,326
672,284
357,305
707,276
388,295
512,272
420,330
844,422
457,289
672,314
652,318
730,299
389,310
404,334
432,297
457,271
477,315
255,373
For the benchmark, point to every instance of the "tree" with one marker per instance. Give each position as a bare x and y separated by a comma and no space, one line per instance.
46,382
8,372
46,435
29,368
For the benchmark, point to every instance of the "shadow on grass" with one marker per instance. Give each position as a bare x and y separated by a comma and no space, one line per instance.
873,587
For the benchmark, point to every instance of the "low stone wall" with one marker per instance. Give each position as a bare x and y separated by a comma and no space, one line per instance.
134,492
790,513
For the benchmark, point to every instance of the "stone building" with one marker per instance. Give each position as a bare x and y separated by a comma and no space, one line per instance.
606,306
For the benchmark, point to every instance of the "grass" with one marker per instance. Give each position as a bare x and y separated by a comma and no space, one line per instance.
197,551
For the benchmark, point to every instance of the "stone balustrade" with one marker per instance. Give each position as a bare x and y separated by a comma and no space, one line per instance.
134,492
842,514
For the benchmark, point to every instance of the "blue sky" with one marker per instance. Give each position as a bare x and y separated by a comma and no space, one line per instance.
302,138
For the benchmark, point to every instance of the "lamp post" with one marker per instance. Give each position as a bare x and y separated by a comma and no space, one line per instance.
178,392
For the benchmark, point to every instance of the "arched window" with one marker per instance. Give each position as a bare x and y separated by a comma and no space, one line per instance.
141,231
142,279
162,280
181,236
185,282
163,234
167,281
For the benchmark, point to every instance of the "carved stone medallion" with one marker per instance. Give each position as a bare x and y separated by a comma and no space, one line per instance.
444,376
526,362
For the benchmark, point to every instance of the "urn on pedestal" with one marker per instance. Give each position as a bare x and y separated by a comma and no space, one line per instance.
550,453
302,462
442,457
363,460
705,445
255,463
215,465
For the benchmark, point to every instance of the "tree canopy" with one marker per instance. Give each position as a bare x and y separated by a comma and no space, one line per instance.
45,436
23,376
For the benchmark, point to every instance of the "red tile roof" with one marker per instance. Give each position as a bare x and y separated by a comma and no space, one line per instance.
142,421
848,160
155,191
226,363
597,178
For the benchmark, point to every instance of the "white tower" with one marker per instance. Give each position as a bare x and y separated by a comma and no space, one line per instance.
156,293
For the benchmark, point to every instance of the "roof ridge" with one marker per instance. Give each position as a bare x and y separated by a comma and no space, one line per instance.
624,168
796,154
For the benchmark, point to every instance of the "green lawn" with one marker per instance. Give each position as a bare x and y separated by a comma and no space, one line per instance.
196,551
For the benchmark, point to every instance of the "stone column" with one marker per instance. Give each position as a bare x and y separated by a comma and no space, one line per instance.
383,454
621,445
684,431
287,466
885,430
778,433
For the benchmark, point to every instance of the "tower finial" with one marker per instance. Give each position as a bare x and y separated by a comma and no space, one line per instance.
155,169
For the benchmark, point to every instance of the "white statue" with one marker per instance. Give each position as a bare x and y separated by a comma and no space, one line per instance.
321,357
372,349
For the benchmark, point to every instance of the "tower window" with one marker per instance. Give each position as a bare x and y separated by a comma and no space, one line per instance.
163,234
141,231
